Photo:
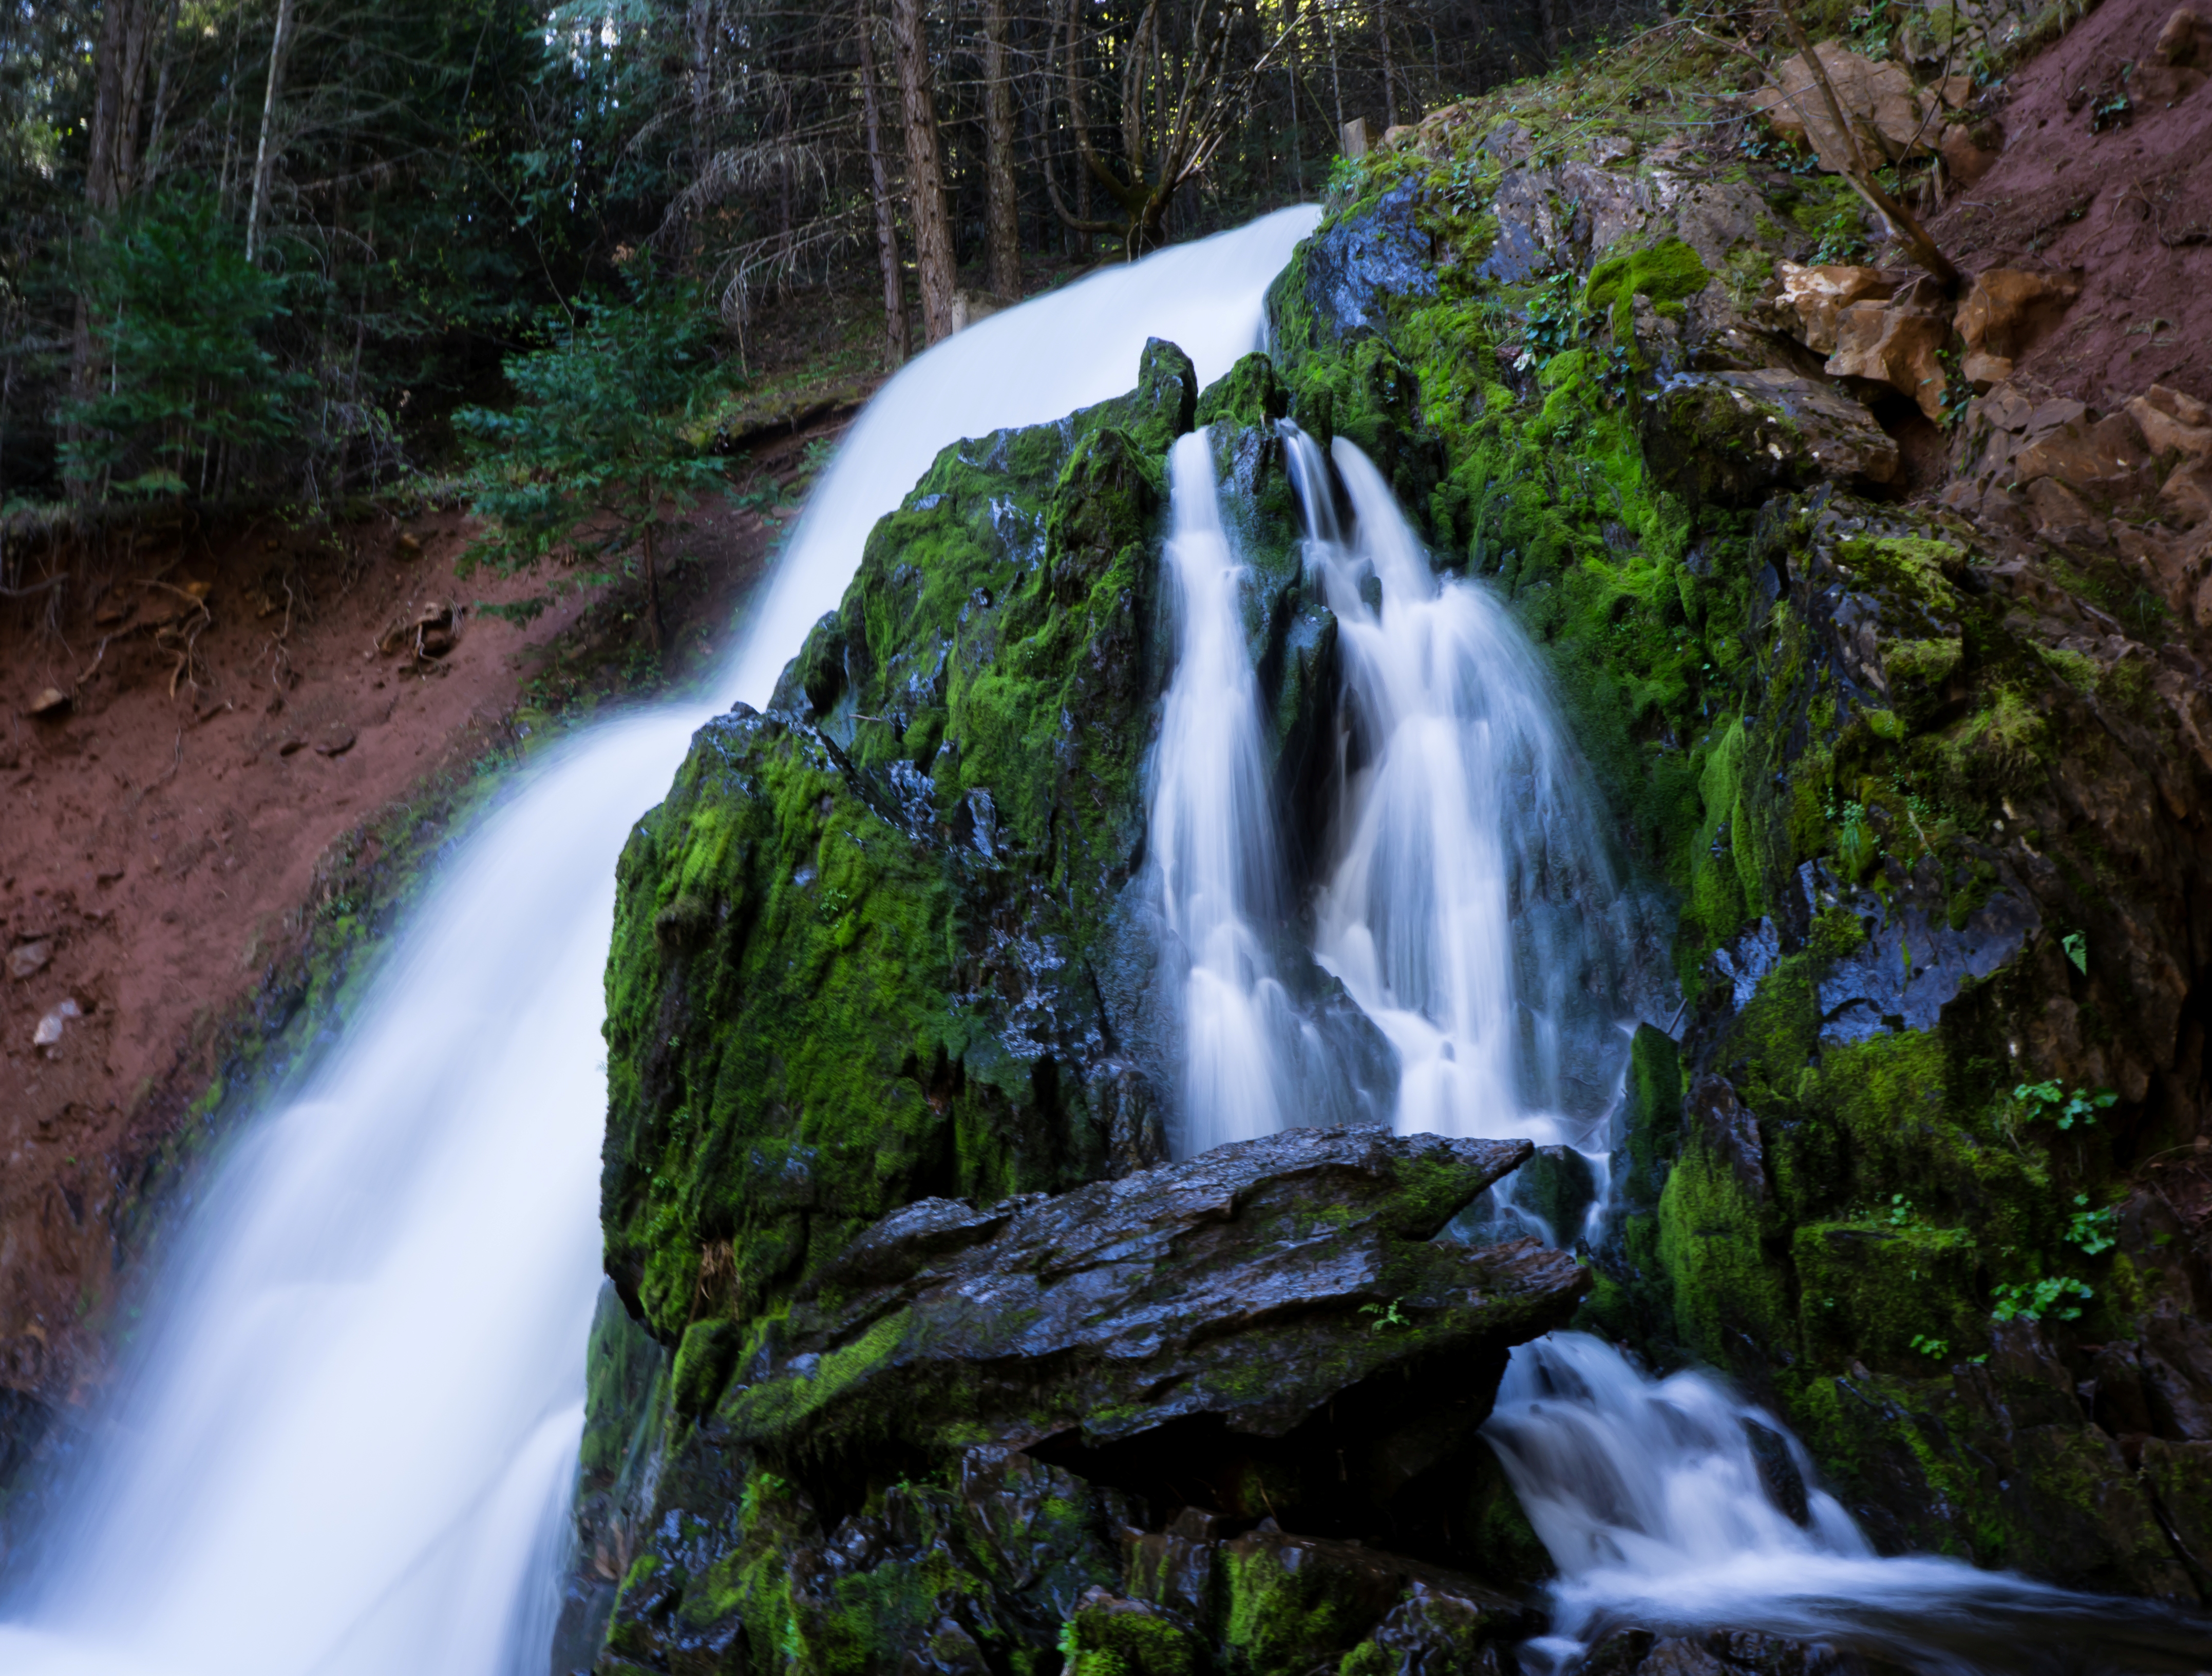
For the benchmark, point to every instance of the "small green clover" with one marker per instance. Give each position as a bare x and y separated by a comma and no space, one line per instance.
2050,1099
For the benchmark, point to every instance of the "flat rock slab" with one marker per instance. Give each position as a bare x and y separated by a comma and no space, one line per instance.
1253,1285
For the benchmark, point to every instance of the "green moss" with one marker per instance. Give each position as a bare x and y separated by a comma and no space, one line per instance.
1121,1639
1729,1297
1666,272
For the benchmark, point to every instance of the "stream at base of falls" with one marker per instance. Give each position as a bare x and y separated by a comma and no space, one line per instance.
346,1446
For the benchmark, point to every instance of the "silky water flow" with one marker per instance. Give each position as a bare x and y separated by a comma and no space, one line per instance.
347,1443
1471,912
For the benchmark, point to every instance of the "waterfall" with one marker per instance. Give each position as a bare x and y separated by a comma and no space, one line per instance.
1471,911
1670,1505
347,1445
1213,832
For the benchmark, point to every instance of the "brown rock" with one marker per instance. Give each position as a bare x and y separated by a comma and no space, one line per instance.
2171,422
410,544
1818,296
1967,161
336,740
2083,455
2187,495
51,705
2004,311
2186,42
29,958
1897,344
1879,100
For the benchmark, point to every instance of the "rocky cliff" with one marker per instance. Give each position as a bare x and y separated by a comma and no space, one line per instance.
1885,647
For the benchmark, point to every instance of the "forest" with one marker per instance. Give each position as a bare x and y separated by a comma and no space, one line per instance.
262,252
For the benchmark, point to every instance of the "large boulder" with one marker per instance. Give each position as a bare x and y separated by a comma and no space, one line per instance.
1255,1285
952,1438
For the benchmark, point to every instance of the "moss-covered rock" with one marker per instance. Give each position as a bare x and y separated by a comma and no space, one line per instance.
1927,803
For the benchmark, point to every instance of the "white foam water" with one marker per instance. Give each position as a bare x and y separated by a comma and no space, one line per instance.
1213,834
347,1447
1673,1506
1470,910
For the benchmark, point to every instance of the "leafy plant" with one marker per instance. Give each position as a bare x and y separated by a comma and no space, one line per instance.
597,453
1938,1348
2077,951
1553,319
2049,1100
2090,1230
1385,1314
2032,1300
1345,176
1843,238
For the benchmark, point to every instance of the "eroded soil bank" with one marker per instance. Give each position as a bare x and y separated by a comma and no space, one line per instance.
266,730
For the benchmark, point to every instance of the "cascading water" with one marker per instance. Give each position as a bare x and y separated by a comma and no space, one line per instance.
1670,1505
346,1446
1471,912
1213,834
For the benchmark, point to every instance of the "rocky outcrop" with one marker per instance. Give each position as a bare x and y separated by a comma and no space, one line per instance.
1915,739
1927,764
977,1424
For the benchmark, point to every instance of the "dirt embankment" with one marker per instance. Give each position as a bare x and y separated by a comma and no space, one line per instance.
2105,170
253,718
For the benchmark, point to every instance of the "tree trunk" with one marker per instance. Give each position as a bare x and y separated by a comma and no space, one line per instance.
1389,68
897,337
1002,219
118,83
265,157
652,632
925,173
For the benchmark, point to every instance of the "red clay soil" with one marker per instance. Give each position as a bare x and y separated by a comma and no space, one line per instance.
160,843
2129,207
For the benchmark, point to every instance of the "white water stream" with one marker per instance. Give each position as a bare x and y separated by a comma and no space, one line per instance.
1471,913
1212,833
1470,907
343,1451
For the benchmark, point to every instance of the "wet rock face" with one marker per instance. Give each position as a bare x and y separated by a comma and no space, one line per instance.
1356,263
1084,1422
857,949
1248,1288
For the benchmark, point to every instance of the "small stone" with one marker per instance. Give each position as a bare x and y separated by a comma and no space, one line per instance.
410,544
336,740
29,958
291,747
51,705
1967,161
49,1032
